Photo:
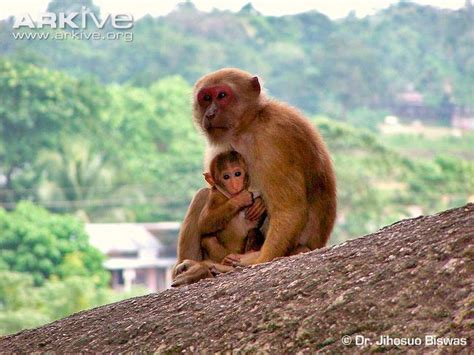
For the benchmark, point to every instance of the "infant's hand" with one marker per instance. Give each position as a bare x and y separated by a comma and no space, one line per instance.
242,199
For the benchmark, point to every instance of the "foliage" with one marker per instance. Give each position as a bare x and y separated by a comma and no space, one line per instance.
37,107
142,161
44,245
319,65
424,146
377,185
157,145
129,144
74,172
23,305
67,6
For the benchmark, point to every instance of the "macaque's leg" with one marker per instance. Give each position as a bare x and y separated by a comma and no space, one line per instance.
284,226
189,240
214,249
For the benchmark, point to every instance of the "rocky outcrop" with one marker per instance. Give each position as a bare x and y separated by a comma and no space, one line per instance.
410,283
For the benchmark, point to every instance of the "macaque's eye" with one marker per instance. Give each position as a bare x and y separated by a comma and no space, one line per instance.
221,95
226,177
238,173
207,97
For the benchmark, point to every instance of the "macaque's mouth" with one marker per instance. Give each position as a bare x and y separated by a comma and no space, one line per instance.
232,194
217,128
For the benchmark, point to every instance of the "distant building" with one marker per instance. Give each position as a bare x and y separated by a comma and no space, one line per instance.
463,119
134,255
410,104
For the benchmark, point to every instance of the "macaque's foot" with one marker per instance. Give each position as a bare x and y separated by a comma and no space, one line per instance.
232,259
182,267
249,258
190,271
217,269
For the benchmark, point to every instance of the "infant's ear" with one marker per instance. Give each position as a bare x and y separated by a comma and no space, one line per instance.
209,179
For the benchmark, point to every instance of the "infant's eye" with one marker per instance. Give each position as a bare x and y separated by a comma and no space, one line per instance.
238,173
226,177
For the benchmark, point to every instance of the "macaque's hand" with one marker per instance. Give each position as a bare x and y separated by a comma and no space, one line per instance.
255,211
242,199
232,259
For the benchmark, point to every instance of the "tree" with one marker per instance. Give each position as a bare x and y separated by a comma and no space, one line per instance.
68,6
19,303
158,145
34,241
23,305
75,175
37,108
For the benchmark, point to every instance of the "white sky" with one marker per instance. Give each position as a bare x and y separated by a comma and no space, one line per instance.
332,8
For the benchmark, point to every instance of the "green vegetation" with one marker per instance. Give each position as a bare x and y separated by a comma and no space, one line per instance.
308,60
47,246
137,156
377,185
23,305
425,147
102,130
85,147
48,269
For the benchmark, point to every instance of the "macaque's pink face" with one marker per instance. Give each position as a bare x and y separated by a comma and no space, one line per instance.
233,179
214,102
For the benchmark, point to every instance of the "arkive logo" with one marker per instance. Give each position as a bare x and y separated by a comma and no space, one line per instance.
74,20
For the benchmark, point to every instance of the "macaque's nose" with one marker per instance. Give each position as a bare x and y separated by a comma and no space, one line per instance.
234,185
211,112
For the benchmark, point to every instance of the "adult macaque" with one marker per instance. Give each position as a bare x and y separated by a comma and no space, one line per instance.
226,232
286,158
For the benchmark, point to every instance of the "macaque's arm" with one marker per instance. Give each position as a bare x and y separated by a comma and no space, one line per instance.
217,212
214,249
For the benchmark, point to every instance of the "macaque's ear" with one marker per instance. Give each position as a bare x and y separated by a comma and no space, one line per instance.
256,84
209,179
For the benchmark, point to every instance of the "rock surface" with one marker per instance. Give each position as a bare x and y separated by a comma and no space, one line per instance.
407,281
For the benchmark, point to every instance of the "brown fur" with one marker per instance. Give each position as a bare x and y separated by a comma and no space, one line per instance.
287,161
222,229
190,271
189,239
